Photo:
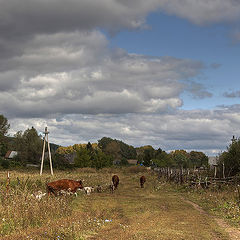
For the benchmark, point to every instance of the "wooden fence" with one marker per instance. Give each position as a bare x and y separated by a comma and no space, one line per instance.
193,177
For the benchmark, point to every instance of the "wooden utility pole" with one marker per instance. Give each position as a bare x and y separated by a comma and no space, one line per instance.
43,152
233,139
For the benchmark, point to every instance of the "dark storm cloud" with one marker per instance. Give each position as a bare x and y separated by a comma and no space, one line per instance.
29,17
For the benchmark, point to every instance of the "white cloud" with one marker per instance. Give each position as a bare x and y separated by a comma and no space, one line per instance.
78,73
204,11
190,130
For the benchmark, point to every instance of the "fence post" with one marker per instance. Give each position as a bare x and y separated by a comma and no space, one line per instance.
8,182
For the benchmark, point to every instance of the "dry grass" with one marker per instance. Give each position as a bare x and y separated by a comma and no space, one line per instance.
220,200
131,212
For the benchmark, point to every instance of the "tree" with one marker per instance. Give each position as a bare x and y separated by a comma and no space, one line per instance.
198,159
117,148
101,160
4,127
145,154
231,158
92,158
148,156
181,158
103,142
83,158
89,146
29,146
163,159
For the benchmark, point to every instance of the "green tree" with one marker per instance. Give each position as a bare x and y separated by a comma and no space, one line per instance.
181,158
231,158
103,142
92,158
4,127
163,159
148,155
101,160
83,158
198,159
89,146
29,146
117,148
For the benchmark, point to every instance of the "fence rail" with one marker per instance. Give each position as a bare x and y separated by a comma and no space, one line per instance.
193,177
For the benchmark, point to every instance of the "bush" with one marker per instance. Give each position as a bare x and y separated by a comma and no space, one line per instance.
5,163
124,162
15,164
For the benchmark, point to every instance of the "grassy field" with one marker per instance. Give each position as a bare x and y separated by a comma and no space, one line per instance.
131,212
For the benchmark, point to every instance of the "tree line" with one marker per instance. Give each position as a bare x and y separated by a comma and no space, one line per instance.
105,152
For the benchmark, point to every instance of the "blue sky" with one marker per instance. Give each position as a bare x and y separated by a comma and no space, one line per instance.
158,72
212,44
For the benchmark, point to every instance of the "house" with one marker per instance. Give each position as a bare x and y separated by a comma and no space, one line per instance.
132,161
10,155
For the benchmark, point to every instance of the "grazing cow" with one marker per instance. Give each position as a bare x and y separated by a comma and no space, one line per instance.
88,190
115,181
142,181
63,185
38,195
66,192
111,187
99,188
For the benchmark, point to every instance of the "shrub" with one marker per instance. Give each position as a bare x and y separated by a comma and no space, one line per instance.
5,163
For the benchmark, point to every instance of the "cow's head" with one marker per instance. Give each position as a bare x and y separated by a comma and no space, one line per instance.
80,184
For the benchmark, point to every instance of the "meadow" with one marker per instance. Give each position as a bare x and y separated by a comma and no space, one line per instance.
157,211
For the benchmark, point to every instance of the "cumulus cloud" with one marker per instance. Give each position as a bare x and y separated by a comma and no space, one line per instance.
78,73
204,11
190,130
30,17
198,90
233,94
56,69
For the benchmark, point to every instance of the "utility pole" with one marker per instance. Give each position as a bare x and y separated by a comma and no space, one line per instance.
233,139
43,152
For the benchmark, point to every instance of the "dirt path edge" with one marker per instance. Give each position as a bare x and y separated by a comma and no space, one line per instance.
234,233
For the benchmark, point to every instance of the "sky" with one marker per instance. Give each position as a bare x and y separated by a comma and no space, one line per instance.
159,72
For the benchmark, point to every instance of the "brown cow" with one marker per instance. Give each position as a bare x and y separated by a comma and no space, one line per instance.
142,181
115,181
63,185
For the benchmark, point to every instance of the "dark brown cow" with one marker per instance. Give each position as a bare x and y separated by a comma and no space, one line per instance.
115,181
142,181
63,185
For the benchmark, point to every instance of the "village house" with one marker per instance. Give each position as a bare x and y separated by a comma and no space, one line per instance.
10,155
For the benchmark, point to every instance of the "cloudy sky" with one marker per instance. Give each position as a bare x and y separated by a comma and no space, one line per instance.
158,72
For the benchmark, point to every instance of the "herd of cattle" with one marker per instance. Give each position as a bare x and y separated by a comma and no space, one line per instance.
70,187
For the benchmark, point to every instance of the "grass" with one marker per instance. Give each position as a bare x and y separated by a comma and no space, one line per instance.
222,201
154,212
